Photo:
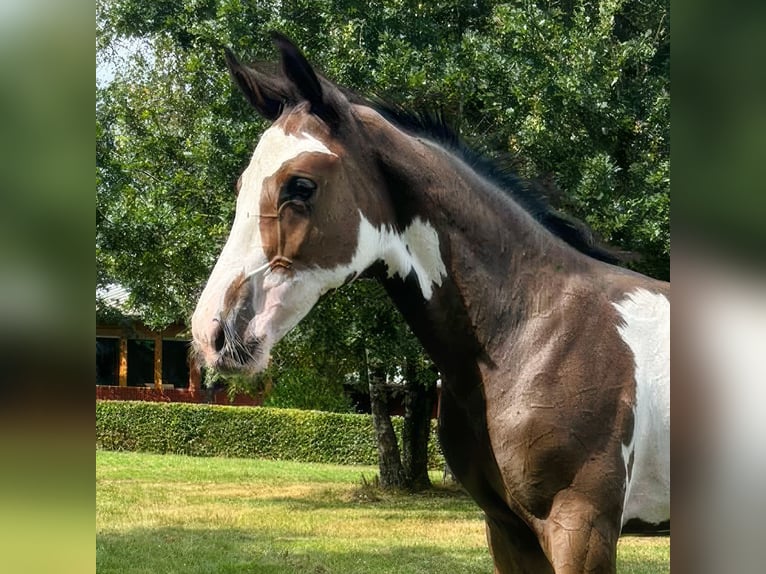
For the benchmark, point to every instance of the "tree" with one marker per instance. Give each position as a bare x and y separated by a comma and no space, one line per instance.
577,92
389,352
159,153
420,383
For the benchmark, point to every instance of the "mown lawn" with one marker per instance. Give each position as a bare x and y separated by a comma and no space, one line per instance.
164,513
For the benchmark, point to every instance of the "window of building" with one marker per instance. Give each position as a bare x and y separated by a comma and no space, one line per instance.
175,364
140,362
107,360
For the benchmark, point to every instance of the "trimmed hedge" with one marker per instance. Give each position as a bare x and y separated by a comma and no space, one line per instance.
246,432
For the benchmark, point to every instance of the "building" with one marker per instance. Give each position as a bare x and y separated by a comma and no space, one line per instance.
134,362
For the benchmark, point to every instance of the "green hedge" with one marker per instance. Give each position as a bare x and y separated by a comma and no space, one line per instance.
257,432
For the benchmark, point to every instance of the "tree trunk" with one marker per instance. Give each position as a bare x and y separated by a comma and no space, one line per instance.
389,460
418,404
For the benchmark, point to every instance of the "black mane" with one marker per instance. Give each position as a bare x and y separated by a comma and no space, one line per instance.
527,193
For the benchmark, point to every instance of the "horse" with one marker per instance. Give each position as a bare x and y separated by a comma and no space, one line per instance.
554,361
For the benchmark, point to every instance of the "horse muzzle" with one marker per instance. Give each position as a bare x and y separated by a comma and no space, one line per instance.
224,338
229,350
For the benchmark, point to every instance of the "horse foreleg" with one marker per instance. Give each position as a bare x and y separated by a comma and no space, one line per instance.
515,549
578,538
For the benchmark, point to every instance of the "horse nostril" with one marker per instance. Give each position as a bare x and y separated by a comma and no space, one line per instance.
219,339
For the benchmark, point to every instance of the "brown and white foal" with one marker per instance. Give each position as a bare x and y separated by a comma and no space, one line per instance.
555,364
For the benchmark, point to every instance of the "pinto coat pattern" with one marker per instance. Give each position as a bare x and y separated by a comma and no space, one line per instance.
554,361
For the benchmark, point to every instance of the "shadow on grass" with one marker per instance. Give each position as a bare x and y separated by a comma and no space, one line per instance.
180,550
398,509
435,502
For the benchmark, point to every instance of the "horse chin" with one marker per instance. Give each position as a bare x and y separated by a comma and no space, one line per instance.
253,365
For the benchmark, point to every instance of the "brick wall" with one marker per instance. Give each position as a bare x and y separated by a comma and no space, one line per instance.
218,397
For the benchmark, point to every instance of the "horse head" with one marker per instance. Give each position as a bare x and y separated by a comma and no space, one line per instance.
308,216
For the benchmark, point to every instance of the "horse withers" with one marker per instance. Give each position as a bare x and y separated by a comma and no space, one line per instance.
554,361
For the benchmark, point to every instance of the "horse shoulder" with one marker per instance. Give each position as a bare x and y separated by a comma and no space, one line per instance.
570,386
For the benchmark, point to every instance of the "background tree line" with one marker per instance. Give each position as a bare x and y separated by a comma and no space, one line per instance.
573,93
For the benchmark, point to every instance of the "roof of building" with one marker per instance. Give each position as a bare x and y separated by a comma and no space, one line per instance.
114,296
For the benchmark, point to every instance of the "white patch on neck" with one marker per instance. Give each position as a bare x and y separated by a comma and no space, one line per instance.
415,249
647,332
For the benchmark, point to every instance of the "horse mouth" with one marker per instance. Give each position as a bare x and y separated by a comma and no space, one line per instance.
239,356
234,357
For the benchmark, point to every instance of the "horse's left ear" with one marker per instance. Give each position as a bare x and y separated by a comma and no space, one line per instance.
298,70
263,91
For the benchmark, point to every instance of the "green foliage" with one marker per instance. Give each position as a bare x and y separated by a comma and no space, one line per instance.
271,433
308,388
335,345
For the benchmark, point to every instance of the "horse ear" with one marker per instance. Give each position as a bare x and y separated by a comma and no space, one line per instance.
299,72
262,91
297,69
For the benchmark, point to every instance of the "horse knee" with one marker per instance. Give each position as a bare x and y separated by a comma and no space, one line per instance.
579,538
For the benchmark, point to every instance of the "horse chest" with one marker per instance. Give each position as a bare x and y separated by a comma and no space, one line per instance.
463,432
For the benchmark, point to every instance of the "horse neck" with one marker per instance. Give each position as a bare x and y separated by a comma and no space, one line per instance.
501,264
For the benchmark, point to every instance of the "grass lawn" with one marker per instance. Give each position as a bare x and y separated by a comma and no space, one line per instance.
166,513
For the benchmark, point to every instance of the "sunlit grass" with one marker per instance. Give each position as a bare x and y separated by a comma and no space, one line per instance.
164,513
639,555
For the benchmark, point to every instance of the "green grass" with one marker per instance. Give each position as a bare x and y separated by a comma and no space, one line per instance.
165,513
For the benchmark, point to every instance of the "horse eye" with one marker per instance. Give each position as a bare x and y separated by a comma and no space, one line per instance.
297,188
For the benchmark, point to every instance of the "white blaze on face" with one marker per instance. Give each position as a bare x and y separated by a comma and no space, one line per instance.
647,332
243,252
244,248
